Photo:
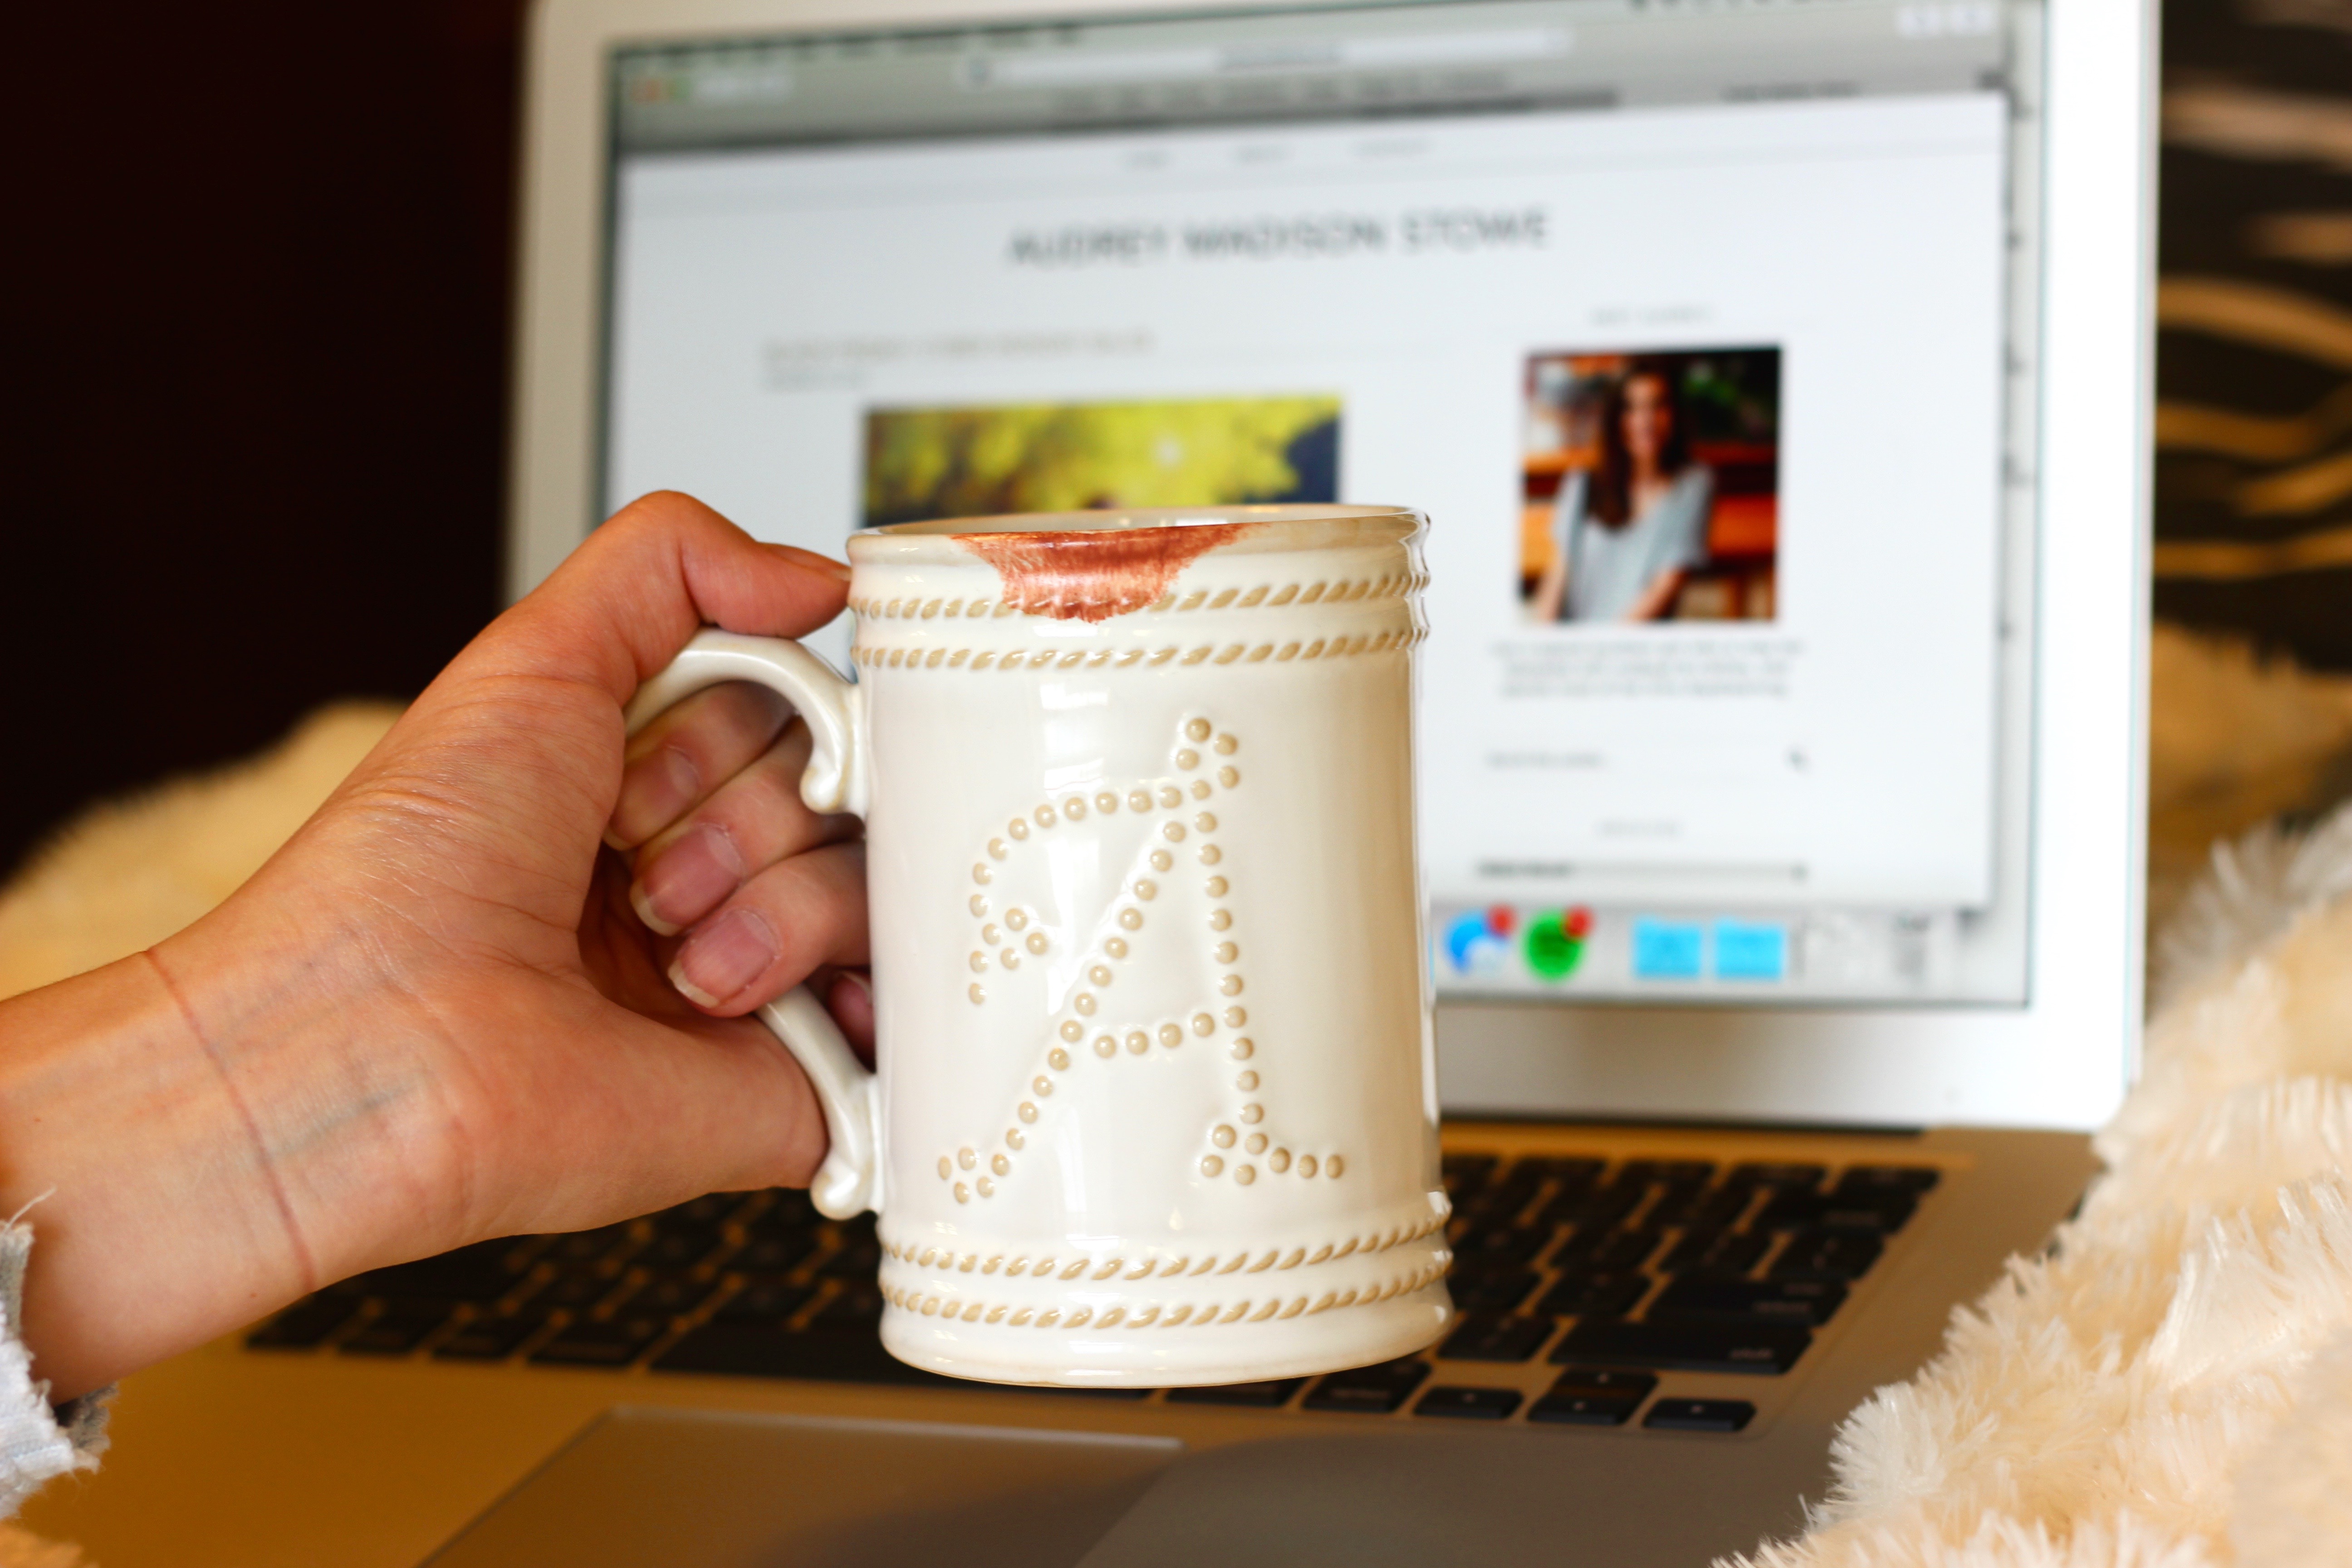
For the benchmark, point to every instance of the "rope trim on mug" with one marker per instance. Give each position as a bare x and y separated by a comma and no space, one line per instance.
1232,653
1047,1265
1248,1309
1395,586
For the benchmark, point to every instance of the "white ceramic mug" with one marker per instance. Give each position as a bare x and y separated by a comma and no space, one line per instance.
1157,1103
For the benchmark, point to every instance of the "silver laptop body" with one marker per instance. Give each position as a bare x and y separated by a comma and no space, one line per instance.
1781,802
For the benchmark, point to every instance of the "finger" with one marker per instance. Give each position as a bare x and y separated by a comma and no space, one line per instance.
690,751
619,607
768,937
850,999
752,822
525,720
673,1110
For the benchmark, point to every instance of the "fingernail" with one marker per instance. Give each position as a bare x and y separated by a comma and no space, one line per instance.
723,957
687,879
837,569
643,906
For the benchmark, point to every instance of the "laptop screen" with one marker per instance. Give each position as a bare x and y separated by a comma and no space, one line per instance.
1703,333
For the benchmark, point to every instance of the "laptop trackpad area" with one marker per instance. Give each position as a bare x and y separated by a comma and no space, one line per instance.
716,1490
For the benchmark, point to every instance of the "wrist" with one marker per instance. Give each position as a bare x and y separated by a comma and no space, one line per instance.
327,1063
151,1229
209,1135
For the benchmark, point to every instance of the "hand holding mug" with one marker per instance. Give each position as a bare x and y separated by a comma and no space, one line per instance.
434,1016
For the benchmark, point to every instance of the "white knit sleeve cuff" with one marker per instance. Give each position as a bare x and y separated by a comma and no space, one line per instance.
37,1441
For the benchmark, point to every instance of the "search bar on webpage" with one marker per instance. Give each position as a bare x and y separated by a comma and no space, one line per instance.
979,73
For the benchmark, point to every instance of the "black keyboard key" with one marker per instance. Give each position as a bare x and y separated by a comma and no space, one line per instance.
770,1304
1720,1209
1699,1415
773,1254
1568,1199
1469,1404
1257,1395
1594,1295
1729,1255
741,1347
1698,1170
706,1213
592,1342
858,1308
480,1273
1571,1171
305,1325
1777,1174
671,1298
1885,1211
1503,1202
1466,1174
1807,1301
491,1339
1598,1208
788,1209
1492,1336
680,1247
1583,1410
1683,1346
1690,1250
1828,1255
1615,1382
1370,1389
1617,1252
1490,1245
577,1292
1791,1211
1583,1242
860,1258
610,1244
1672,1203
744,1349
1490,1290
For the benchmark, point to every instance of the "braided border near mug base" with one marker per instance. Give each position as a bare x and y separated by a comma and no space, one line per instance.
1248,1309
1182,1265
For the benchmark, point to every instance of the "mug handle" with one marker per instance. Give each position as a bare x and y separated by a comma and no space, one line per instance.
850,1180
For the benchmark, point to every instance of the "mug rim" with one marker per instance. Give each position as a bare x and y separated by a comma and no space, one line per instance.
1125,520
1091,541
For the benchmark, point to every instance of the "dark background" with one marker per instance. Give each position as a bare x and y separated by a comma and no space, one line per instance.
256,322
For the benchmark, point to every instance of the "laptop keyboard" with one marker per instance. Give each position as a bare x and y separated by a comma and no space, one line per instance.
1614,1271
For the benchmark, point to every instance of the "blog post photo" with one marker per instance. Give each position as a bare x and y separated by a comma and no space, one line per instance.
1651,486
978,461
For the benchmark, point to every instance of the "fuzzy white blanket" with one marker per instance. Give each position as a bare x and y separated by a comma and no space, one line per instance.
2170,1386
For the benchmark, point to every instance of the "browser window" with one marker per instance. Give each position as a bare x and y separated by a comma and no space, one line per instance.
1703,333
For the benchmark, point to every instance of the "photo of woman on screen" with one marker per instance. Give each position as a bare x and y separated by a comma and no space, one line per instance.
1630,533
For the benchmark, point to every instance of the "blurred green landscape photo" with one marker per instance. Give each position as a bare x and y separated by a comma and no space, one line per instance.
1065,456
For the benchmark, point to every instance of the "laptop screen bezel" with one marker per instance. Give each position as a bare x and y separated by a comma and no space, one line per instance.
2061,1059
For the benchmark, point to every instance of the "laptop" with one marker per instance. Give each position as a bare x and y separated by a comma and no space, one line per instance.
1776,375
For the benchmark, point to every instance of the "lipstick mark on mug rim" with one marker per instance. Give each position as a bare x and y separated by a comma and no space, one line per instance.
1092,574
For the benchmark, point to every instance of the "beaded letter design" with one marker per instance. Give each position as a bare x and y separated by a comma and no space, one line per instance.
1181,841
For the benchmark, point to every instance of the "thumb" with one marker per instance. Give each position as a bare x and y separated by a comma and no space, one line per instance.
619,607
